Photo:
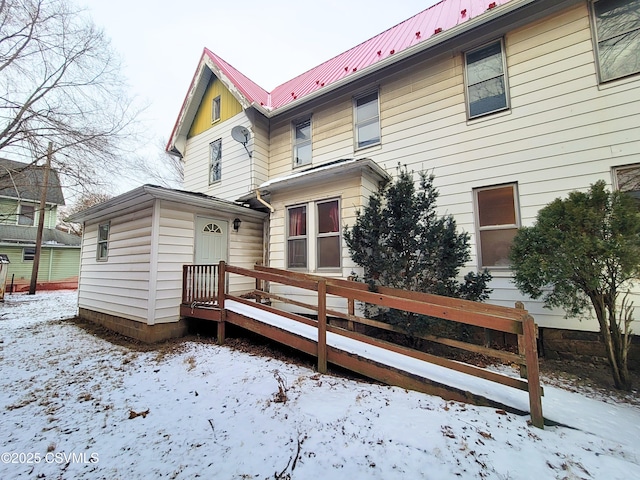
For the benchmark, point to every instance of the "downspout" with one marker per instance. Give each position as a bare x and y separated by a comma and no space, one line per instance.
264,202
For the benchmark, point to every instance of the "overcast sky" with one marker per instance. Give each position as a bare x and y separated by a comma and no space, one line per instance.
161,41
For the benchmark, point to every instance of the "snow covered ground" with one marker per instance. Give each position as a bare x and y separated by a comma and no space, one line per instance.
76,406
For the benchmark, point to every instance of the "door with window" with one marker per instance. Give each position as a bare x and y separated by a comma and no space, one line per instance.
211,241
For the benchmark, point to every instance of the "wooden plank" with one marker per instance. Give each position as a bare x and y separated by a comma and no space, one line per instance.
470,347
212,314
322,327
393,376
533,373
427,357
274,277
479,319
282,313
274,333
506,312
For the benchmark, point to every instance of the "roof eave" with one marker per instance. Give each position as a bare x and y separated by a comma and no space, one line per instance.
435,40
321,174
151,192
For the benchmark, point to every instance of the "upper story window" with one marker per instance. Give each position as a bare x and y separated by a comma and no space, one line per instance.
215,109
302,143
103,241
27,215
215,161
497,221
367,120
486,80
297,237
617,30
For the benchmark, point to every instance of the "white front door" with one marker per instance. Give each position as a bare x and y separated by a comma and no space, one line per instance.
211,241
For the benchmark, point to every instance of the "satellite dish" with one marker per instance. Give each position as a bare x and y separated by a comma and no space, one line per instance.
241,134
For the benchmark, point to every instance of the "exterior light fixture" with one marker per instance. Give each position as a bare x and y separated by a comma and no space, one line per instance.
236,224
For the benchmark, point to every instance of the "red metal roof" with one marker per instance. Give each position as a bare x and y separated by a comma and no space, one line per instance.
432,21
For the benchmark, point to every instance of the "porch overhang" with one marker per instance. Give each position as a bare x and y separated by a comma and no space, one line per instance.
320,173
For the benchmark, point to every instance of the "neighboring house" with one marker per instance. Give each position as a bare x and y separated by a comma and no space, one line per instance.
20,192
510,104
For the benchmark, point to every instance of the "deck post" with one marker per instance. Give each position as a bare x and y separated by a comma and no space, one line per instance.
322,326
221,284
533,371
521,348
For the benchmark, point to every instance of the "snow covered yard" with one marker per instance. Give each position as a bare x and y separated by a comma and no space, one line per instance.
75,406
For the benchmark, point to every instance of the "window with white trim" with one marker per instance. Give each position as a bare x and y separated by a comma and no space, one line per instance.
215,161
28,254
27,215
627,179
103,241
497,221
215,109
367,120
302,143
314,239
486,80
328,234
297,237
617,32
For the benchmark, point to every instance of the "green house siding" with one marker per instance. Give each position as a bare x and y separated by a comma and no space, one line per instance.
56,264
9,213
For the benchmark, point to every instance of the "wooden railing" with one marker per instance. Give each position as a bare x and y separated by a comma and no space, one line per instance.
511,320
200,284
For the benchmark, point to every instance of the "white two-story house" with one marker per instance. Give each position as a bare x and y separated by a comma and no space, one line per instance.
510,104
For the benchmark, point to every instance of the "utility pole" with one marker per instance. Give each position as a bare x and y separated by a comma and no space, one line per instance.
43,204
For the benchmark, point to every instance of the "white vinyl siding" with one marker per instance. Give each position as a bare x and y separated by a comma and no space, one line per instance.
142,280
119,286
562,133
236,165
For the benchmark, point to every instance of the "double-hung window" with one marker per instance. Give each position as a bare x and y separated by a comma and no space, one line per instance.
313,235
103,241
486,80
302,143
26,216
367,120
328,245
617,30
215,109
627,179
497,221
297,237
215,161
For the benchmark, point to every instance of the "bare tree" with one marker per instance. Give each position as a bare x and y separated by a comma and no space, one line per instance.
86,200
61,82
165,170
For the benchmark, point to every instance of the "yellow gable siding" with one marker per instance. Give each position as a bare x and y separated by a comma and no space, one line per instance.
229,107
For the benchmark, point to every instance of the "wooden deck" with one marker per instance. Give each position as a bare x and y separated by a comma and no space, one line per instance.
374,358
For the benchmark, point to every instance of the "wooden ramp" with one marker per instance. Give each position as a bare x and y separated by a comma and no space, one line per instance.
377,363
386,362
